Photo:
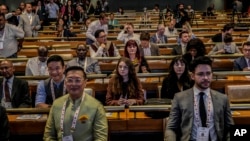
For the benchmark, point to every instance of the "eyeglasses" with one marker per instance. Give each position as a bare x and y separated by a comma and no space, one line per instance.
74,80
5,68
202,74
82,50
104,36
246,50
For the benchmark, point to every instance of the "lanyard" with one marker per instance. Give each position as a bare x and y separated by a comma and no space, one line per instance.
196,111
162,40
53,91
73,125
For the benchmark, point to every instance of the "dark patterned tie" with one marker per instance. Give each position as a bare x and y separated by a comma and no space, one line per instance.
7,92
203,114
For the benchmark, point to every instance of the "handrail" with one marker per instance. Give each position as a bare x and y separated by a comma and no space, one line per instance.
89,76
28,110
239,106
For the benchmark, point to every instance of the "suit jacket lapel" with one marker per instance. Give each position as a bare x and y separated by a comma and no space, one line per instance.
215,102
13,90
191,104
1,89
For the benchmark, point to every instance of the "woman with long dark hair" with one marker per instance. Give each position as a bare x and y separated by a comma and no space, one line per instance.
177,80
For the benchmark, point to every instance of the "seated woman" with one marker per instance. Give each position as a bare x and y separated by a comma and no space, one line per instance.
195,48
132,52
177,80
124,87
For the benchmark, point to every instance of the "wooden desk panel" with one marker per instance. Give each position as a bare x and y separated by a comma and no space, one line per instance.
27,127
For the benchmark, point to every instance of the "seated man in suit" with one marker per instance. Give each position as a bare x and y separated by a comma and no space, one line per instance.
228,47
53,87
37,65
199,113
14,92
228,28
87,63
243,63
4,125
147,48
101,47
159,37
181,48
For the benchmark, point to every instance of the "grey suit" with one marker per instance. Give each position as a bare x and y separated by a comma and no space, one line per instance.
11,32
154,50
219,46
27,27
182,114
92,65
240,63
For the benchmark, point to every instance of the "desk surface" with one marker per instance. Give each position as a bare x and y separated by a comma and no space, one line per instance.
126,123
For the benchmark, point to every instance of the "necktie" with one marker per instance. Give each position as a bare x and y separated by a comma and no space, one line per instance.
30,18
203,115
7,92
248,62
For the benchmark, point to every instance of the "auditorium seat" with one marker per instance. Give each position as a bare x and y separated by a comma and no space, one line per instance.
238,93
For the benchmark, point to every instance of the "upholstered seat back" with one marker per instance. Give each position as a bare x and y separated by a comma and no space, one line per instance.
238,93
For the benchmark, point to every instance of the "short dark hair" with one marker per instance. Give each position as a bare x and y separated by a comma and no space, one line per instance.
145,36
228,38
198,61
76,68
42,50
103,15
246,44
55,58
182,32
227,27
97,33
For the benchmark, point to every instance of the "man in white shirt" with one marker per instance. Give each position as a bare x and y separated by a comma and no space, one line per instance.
102,23
128,33
37,65
170,30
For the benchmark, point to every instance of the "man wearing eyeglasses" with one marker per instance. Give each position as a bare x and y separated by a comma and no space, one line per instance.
37,65
53,87
14,92
88,64
76,116
243,63
102,47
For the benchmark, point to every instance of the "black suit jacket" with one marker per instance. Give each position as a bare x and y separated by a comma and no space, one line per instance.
20,96
240,63
4,125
